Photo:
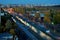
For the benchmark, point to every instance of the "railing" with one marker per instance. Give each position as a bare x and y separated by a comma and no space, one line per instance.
20,25
29,28
36,28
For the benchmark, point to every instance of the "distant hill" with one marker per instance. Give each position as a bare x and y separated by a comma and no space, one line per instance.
57,7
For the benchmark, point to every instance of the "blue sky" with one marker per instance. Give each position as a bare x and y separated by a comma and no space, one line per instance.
35,2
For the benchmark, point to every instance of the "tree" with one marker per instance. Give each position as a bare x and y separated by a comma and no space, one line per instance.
53,14
57,18
8,25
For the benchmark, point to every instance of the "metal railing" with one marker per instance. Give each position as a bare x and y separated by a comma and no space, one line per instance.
35,28
24,29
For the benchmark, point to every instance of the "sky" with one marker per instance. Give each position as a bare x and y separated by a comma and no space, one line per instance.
34,2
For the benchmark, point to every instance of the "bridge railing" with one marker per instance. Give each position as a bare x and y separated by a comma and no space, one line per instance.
35,28
20,25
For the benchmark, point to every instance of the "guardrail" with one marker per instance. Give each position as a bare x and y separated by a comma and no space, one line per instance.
24,29
30,28
34,27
